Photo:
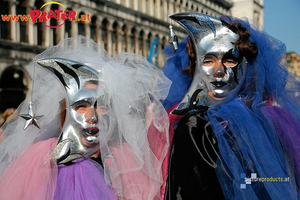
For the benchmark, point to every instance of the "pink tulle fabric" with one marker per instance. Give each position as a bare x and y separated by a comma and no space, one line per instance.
172,120
137,185
134,185
32,176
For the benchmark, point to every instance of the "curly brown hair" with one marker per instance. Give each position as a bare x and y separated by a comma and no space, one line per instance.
247,48
190,49
63,113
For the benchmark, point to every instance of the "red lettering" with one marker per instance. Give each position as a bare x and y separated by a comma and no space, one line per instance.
72,15
43,17
83,18
34,14
24,17
51,15
64,16
14,17
5,17
58,14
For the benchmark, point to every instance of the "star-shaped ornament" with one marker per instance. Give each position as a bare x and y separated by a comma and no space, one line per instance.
31,118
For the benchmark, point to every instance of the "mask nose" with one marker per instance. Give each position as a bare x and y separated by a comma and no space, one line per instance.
219,71
91,116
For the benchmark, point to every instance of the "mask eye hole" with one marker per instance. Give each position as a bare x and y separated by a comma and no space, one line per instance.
102,110
208,62
229,62
82,107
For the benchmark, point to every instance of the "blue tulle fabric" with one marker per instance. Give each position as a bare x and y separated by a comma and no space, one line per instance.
247,123
175,63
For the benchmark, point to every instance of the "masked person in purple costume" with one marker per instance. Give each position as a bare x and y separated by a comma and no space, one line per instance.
90,128
240,113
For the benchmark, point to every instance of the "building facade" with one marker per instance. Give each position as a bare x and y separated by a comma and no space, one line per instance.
293,63
250,9
116,25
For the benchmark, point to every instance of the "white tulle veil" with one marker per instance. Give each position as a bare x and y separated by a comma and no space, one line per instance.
137,126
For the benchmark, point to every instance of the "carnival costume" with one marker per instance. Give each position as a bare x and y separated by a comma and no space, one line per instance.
240,120
112,105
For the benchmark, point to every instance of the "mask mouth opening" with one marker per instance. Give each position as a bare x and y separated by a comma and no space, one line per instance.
92,131
219,84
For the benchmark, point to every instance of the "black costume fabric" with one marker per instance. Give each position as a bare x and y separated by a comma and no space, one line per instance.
193,160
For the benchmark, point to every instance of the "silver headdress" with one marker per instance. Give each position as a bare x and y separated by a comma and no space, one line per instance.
217,79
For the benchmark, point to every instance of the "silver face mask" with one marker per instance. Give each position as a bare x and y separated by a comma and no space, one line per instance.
80,133
220,70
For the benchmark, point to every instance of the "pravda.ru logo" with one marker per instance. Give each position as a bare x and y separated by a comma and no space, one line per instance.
40,16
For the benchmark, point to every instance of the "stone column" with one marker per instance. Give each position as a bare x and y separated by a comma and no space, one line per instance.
135,4
158,9
29,27
13,25
165,10
150,7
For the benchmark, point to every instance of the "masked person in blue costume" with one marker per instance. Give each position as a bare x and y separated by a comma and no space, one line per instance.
239,111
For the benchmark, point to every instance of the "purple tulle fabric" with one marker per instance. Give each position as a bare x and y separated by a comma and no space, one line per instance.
82,181
287,129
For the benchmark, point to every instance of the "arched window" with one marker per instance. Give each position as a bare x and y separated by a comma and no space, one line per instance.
81,25
132,40
68,27
141,43
21,10
104,33
164,43
14,83
93,28
4,25
39,28
148,43
115,37
124,38
53,22
181,6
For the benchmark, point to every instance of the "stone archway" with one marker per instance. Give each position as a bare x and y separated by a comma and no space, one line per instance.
14,84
